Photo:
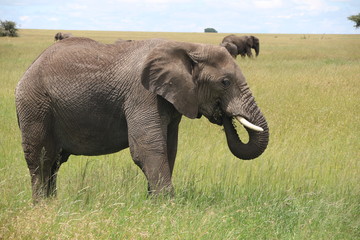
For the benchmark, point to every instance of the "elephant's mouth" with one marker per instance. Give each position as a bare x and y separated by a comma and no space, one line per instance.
217,116
216,120
219,121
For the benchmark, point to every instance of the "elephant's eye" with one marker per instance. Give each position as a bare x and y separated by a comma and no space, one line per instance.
225,82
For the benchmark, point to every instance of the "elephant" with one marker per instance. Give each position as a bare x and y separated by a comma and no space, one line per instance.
83,97
232,49
120,41
61,36
244,44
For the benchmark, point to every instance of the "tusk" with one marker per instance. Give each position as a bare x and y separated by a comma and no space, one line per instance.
248,124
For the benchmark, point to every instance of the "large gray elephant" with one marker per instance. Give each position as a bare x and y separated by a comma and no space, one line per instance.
61,36
244,44
83,97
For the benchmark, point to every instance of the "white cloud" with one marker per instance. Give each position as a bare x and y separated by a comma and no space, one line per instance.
76,6
150,1
24,18
268,3
315,5
289,16
53,19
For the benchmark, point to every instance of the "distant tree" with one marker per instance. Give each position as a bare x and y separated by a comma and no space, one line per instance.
210,30
356,19
8,28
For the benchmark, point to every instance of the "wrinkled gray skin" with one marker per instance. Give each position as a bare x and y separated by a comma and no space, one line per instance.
244,45
61,36
83,97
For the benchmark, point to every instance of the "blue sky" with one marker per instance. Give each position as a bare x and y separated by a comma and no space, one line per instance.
226,16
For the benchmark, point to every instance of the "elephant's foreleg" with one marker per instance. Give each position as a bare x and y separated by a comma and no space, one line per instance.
249,53
148,148
172,142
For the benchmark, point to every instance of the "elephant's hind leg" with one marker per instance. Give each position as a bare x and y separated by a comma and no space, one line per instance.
59,159
35,119
41,156
43,166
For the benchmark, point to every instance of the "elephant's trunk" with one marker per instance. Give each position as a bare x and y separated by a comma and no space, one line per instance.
257,49
258,137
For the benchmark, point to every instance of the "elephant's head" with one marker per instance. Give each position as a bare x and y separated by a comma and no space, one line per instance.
205,80
232,48
58,36
254,43
61,36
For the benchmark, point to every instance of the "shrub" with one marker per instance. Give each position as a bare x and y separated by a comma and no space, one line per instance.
8,28
356,19
210,30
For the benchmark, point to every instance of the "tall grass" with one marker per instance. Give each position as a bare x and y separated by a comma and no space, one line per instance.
305,185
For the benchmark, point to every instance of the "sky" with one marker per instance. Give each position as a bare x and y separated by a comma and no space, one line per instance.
226,16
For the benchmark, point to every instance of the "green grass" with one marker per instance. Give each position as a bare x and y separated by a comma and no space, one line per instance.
305,185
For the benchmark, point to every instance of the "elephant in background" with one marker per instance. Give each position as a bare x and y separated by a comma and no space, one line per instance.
120,40
244,44
61,36
232,49
82,97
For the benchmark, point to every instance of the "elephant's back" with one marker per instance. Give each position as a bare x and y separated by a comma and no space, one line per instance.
229,38
78,53
67,57
77,61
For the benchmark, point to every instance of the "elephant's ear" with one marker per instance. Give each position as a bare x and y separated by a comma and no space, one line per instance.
168,72
250,41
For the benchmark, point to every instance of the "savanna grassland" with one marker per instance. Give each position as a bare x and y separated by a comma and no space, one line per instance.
306,185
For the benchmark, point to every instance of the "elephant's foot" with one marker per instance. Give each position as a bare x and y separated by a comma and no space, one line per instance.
161,190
